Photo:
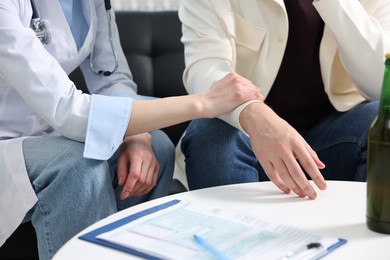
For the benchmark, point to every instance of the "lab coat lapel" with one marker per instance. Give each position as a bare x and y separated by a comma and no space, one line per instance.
62,45
90,16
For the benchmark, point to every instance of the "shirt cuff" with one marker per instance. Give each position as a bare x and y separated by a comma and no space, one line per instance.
233,118
108,120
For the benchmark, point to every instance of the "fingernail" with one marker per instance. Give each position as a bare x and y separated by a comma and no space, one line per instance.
119,179
313,196
125,195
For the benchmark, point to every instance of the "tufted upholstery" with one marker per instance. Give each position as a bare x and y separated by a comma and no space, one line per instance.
151,43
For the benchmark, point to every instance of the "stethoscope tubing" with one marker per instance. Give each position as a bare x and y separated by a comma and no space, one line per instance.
42,31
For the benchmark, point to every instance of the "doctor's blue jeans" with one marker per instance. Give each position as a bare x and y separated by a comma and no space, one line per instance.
74,192
219,154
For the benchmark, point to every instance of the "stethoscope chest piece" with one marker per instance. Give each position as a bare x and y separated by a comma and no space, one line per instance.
42,31
41,28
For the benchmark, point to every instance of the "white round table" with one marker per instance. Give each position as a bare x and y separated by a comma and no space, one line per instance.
338,211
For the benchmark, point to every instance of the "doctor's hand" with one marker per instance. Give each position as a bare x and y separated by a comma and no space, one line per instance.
228,93
137,166
282,151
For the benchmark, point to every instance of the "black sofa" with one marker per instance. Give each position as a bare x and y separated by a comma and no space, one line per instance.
151,43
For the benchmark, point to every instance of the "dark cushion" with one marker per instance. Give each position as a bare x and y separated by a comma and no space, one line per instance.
151,43
155,54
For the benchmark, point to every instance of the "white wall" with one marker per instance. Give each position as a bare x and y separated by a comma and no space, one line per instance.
145,5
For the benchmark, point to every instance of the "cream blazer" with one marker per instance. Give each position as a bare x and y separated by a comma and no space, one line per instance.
250,36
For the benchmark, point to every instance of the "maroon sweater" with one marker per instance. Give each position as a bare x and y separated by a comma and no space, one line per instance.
297,94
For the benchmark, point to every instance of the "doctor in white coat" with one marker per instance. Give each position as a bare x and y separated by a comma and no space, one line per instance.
68,159
38,99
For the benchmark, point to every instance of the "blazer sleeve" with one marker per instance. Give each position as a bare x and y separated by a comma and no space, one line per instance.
209,51
362,33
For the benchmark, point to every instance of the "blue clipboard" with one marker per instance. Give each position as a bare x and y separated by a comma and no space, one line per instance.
91,236
323,251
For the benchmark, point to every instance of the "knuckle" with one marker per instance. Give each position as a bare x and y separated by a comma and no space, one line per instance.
239,95
136,175
232,74
295,174
307,165
282,174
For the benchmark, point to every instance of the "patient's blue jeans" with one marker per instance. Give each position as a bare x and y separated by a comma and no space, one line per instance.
74,192
217,153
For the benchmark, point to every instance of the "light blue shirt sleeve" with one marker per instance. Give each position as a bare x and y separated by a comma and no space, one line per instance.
108,120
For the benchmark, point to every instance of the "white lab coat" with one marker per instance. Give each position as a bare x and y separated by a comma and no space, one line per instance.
24,76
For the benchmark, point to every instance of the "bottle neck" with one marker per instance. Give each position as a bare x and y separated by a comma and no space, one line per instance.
384,103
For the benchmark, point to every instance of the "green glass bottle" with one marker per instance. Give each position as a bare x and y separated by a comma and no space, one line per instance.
378,162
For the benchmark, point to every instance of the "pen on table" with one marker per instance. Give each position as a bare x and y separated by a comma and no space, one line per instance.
209,247
296,252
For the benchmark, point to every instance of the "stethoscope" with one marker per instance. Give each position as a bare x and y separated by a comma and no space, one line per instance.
42,31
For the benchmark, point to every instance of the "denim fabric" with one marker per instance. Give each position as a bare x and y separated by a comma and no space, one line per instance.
219,154
75,192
